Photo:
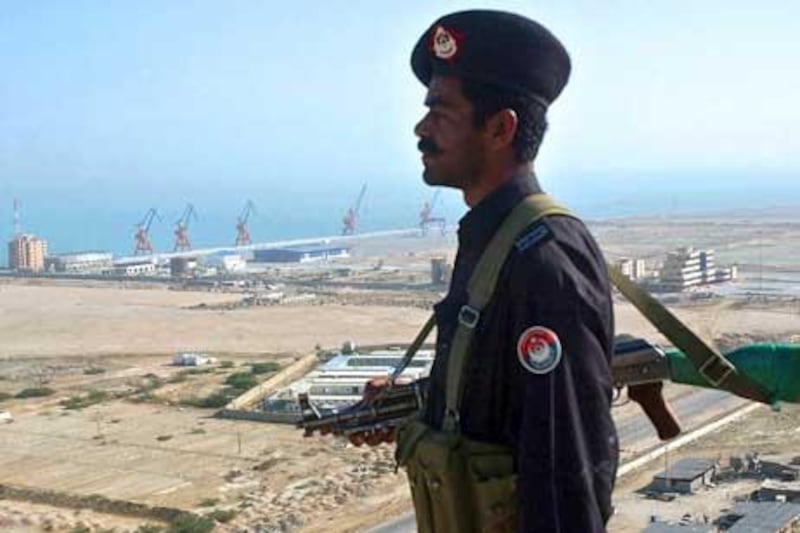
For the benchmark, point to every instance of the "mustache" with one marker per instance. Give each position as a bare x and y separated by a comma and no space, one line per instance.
428,147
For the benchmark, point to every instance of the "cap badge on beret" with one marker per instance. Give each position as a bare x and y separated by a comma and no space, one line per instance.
444,43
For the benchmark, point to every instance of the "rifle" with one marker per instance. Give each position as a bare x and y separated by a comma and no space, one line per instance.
638,364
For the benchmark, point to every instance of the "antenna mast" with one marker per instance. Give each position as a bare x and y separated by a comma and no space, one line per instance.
17,218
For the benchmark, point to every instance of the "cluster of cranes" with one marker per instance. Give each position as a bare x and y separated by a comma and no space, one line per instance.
143,246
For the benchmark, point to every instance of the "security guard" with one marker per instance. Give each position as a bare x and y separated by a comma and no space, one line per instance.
529,444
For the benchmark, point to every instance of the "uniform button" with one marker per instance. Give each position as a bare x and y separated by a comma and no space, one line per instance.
434,484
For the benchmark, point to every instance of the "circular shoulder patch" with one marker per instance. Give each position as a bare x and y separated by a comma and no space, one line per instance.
539,349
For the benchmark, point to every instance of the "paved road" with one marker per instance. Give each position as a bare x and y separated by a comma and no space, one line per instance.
635,432
692,411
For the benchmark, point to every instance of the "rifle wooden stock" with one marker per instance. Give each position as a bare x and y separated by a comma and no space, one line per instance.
643,367
650,398
637,364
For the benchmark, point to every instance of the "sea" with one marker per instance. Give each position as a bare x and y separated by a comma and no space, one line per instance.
103,216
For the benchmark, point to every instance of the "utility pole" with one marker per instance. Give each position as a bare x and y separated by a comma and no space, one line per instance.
17,218
760,267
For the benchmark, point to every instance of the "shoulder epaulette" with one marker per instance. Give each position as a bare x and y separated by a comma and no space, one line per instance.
533,236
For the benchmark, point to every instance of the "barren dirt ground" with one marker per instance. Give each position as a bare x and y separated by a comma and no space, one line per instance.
142,443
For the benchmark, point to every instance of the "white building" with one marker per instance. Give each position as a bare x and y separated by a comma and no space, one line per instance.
633,268
138,268
340,381
192,359
79,262
726,273
687,267
226,262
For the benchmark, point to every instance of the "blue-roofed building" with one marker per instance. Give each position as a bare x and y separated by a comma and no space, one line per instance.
301,254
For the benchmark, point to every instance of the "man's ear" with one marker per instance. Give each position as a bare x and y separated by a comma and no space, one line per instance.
501,128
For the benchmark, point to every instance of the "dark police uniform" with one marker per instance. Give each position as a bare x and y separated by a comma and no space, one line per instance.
558,422
556,416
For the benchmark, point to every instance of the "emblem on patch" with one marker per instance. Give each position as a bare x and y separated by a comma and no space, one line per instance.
444,43
539,350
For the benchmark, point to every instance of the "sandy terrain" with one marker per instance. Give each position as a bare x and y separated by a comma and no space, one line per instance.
40,321
46,321
165,453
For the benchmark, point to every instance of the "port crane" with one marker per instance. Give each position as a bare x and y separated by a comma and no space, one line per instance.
350,220
242,233
142,235
182,229
426,218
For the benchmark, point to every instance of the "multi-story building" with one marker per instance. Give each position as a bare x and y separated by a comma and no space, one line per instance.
26,253
633,268
686,268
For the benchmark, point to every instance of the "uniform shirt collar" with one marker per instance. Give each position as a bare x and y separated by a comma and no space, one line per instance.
477,227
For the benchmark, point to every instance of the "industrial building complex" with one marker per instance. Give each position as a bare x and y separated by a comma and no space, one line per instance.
340,381
686,267
300,254
683,269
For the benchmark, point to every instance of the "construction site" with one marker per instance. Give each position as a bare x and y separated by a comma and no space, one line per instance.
112,387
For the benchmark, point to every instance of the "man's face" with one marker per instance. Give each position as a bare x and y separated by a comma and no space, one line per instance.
452,147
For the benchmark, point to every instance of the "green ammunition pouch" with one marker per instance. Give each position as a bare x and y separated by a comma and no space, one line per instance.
457,484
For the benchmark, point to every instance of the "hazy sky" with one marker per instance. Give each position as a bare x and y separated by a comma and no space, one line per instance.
315,97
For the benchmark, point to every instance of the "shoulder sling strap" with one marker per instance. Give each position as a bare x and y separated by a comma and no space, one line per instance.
710,363
484,278
716,369
480,289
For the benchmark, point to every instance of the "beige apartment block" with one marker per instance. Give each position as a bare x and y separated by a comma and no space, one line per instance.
27,253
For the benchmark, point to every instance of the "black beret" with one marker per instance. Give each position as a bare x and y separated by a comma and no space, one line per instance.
494,47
